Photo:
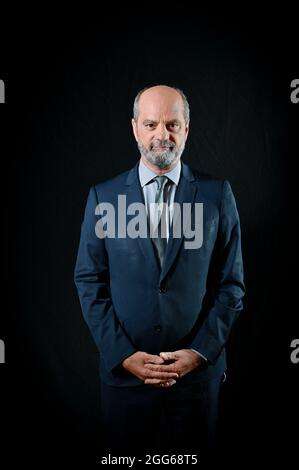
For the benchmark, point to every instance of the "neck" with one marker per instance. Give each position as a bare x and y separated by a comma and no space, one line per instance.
156,169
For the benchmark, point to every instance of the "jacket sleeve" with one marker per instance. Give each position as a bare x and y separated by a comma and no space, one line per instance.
228,289
92,282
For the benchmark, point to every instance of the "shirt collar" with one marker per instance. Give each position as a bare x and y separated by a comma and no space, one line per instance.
146,175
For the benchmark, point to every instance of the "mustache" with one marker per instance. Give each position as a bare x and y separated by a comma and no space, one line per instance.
161,143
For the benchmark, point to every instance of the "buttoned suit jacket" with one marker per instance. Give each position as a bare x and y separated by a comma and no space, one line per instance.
130,304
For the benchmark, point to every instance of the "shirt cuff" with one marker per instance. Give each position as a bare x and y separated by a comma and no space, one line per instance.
199,354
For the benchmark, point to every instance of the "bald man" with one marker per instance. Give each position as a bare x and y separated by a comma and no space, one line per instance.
159,275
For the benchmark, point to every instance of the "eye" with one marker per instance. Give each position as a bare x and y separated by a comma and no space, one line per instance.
149,125
174,125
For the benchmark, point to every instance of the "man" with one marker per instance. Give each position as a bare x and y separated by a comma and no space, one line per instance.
160,310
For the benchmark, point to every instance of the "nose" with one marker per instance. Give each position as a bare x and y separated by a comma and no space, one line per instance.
162,132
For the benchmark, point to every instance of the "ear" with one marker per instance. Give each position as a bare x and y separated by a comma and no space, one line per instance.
134,126
186,131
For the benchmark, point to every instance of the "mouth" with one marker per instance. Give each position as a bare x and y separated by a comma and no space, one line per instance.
161,148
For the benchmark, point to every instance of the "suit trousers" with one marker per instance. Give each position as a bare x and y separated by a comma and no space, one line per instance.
145,418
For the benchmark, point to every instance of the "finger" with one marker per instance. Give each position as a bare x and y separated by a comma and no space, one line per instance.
164,385
160,383
166,355
152,374
168,383
162,367
169,355
153,381
152,359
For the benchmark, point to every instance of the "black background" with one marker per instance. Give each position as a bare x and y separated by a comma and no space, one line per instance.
66,126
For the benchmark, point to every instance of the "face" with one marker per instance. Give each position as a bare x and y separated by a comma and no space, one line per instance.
160,129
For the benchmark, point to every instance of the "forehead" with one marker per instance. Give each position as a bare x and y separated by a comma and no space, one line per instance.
161,103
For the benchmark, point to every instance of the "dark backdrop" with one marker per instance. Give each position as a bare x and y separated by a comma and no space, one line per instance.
66,125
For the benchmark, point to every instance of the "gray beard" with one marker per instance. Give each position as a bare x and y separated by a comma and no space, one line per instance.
163,158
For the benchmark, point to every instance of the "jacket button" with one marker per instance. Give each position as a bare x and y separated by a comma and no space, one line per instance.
158,328
162,290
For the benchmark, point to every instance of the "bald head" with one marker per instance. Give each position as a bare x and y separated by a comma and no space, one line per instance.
160,96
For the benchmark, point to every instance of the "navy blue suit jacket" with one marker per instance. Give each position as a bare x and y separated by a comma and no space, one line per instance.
130,305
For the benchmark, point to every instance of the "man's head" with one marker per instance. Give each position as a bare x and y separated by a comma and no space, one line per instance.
161,125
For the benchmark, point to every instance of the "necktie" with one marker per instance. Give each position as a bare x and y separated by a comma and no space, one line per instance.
160,219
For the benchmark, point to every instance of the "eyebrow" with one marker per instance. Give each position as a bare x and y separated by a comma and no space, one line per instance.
152,121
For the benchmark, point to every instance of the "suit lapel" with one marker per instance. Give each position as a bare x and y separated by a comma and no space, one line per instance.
134,194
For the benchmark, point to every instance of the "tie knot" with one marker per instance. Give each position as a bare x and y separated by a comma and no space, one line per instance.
161,181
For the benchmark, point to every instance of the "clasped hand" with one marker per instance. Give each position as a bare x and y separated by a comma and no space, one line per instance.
162,370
